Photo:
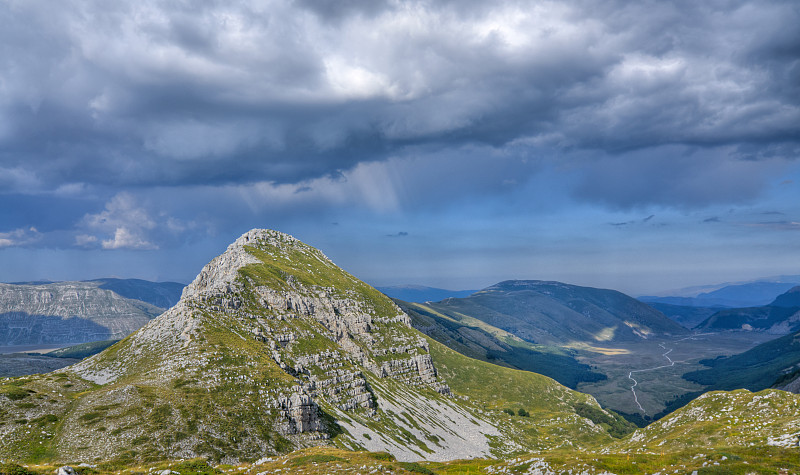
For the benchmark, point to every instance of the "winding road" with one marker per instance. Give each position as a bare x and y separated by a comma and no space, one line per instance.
671,364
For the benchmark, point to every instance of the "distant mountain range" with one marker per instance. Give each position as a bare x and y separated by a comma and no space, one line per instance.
751,294
687,316
774,320
76,312
421,293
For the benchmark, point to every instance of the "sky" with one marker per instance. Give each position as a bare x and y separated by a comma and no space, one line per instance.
640,146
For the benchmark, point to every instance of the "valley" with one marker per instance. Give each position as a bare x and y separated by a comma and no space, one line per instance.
658,382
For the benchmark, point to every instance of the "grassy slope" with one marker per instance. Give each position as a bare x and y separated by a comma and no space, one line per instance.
146,416
333,461
552,407
477,339
725,419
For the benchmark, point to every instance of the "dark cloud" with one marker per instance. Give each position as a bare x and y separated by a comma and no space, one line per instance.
673,176
713,219
162,94
634,222
399,234
337,10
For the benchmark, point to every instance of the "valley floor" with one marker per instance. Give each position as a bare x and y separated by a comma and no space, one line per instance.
657,381
38,348
322,460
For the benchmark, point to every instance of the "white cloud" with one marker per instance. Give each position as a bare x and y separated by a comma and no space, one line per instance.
125,238
19,237
123,223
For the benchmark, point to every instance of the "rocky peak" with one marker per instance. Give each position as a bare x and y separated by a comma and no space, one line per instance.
219,274
327,339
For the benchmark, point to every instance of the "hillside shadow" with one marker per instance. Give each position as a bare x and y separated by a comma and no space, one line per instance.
21,328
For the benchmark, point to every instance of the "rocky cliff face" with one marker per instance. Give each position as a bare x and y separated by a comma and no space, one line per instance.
68,312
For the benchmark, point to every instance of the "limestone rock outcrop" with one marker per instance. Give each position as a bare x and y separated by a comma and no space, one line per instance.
325,336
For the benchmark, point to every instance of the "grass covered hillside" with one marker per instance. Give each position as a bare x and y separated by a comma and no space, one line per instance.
547,414
477,339
718,420
553,313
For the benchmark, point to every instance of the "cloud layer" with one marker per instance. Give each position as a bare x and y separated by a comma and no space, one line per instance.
156,127
162,93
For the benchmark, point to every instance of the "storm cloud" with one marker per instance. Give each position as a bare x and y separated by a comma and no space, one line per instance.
166,128
159,93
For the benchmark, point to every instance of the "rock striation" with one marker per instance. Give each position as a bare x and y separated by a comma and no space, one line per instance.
68,312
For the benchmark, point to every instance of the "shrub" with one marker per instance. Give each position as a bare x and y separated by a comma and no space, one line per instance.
415,468
14,469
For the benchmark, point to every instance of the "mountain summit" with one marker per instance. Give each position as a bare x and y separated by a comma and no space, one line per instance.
272,347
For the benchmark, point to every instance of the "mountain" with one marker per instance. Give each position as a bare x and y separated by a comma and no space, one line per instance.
553,313
750,294
773,320
789,299
771,364
477,339
272,348
687,316
159,294
68,312
421,294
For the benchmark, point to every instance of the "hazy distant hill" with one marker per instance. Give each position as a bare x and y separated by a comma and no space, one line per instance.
553,313
789,299
751,294
420,293
774,320
76,312
687,316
